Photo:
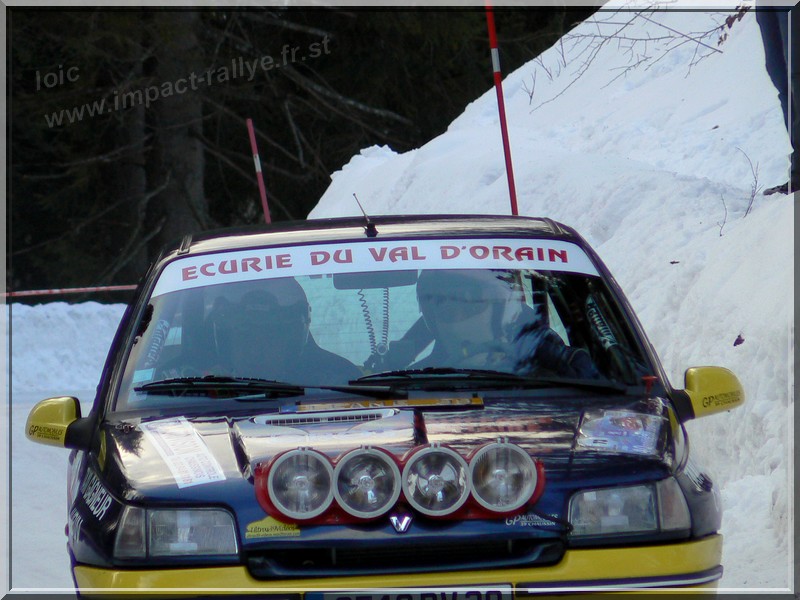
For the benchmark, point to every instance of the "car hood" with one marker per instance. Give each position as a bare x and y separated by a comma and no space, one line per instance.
213,461
185,458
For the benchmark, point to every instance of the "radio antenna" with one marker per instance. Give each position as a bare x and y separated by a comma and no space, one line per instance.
371,230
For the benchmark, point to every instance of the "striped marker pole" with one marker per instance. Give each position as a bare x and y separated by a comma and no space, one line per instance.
498,86
257,161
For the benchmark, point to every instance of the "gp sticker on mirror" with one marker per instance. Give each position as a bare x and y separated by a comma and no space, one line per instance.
354,257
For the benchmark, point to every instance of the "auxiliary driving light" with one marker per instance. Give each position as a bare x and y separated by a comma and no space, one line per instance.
436,481
503,477
367,483
300,483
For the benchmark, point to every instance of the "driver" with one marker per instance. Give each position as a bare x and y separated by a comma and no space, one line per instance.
479,319
266,335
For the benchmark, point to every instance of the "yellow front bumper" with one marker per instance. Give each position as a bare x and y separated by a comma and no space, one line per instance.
693,564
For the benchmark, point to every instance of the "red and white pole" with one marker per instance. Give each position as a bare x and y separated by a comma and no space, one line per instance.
257,161
498,85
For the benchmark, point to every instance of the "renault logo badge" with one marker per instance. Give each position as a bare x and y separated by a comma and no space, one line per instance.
400,523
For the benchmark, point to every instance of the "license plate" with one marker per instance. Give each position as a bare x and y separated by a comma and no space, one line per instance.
496,592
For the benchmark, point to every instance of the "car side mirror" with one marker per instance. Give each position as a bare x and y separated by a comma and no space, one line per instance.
712,390
55,422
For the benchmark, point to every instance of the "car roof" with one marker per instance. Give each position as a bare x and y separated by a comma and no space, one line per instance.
377,227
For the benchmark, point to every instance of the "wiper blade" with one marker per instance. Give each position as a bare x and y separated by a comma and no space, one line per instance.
261,387
379,392
371,391
448,378
216,383
411,376
437,372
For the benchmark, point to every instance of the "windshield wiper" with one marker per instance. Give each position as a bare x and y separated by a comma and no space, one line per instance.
215,383
405,377
257,389
371,391
435,372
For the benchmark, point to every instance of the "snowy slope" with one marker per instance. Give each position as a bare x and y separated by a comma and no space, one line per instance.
652,165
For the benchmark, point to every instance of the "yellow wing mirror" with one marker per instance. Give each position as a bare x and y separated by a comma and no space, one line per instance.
49,419
712,390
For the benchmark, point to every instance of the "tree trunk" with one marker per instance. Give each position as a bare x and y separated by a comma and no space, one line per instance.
177,158
128,181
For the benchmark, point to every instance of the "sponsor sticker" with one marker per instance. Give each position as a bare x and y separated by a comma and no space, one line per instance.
620,431
722,399
96,497
47,432
141,375
269,527
184,451
354,257
531,521
74,526
72,476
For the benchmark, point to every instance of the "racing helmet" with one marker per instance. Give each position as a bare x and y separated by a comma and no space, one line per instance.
470,305
264,329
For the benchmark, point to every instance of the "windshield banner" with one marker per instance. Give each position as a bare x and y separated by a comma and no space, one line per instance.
356,257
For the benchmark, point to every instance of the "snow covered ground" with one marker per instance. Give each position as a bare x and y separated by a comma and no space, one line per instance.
649,141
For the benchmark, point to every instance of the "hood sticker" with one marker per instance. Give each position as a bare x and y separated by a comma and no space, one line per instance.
270,527
622,431
184,451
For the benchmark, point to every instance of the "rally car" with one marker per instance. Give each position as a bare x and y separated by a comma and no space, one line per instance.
396,407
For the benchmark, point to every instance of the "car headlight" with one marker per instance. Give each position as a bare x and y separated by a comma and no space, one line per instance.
367,483
436,481
174,532
649,508
300,483
503,477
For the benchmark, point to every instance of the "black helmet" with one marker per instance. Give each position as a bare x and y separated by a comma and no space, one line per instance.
269,314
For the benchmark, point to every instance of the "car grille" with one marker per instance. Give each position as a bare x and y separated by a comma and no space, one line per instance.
363,559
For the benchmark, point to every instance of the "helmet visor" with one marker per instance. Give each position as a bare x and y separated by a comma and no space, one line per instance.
453,306
451,296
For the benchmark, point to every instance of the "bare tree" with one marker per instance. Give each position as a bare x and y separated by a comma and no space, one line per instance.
620,28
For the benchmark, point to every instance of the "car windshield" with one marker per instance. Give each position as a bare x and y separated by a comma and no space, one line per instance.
238,319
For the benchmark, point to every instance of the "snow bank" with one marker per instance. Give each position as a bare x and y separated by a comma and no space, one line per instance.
60,346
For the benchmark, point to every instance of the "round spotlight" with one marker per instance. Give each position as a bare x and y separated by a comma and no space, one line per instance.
367,483
300,483
436,481
503,477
